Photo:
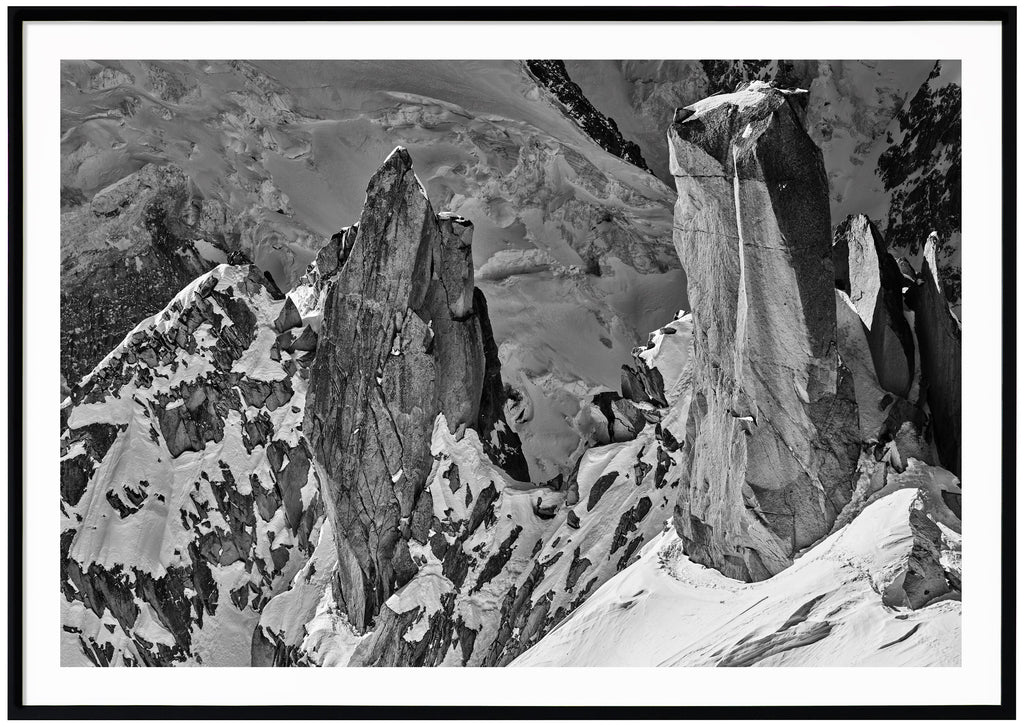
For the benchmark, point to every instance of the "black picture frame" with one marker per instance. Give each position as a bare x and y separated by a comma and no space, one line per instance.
1006,16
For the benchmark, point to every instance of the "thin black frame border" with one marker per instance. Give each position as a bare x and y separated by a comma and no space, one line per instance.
1006,16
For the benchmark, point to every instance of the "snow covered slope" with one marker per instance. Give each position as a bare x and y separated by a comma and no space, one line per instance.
187,496
505,561
844,603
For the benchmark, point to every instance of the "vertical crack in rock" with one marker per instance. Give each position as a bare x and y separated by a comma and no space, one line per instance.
871,277
773,442
938,334
401,341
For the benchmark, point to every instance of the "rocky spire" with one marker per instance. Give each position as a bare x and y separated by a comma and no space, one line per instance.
400,343
773,436
938,334
871,277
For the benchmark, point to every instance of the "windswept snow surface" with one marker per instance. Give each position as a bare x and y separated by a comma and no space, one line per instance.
825,610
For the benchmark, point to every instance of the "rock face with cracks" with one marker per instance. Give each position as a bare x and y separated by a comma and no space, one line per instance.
772,441
938,332
871,277
400,342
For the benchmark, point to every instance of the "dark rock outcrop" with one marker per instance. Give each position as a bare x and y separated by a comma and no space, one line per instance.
551,74
773,439
400,343
872,278
938,335
622,419
503,445
123,257
921,170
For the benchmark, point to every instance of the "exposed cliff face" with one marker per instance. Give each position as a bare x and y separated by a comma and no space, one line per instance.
871,277
889,132
504,561
400,343
762,423
773,436
938,333
187,495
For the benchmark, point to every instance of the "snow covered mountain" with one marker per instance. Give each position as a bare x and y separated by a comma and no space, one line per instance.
170,168
448,444
187,495
571,243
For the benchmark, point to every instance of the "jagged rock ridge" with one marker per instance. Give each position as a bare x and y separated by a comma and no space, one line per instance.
467,565
461,564
602,129
568,237
187,495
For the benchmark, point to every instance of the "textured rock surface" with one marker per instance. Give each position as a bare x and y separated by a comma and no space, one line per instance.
187,495
889,131
938,334
124,255
871,277
400,343
737,420
569,240
773,436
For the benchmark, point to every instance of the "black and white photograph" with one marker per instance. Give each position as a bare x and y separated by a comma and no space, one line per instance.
529,362
526,362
